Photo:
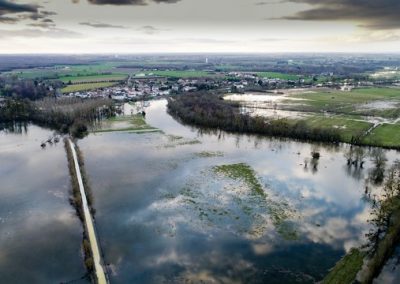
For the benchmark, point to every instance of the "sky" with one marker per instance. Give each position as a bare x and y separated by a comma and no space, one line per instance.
191,26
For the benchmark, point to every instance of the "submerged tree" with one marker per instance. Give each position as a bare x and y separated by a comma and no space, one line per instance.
379,159
355,156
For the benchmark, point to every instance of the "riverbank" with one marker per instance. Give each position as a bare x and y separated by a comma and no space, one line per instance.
365,264
212,111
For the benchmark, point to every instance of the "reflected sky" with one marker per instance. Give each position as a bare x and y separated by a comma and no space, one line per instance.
40,236
164,216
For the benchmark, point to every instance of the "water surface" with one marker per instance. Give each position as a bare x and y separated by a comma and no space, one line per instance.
164,215
40,236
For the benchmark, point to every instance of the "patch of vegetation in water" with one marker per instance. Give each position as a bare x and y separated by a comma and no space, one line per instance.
173,138
131,124
209,154
345,271
241,172
175,141
238,203
279,212
188,192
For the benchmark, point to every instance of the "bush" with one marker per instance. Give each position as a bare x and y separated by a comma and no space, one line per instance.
78,129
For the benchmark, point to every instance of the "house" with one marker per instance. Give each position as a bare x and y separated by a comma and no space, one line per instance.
346,88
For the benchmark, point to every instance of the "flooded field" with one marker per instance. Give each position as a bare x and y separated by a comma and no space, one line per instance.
183,205
187,206
40,236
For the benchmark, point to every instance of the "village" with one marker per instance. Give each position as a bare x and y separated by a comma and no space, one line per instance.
141,86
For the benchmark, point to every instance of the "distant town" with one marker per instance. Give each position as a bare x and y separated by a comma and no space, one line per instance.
148,85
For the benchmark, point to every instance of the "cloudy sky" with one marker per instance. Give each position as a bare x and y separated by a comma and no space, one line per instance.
142,26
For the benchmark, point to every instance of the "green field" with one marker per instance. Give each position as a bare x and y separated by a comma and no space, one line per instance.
348,110
347,128
347,102
94,78
86,87
278,75
387,135
349,114
59,71
183,74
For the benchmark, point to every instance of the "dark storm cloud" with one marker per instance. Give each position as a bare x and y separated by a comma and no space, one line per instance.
127,2
102,25
11,12
9,9
372,14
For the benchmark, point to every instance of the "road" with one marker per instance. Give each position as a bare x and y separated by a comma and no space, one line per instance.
100,275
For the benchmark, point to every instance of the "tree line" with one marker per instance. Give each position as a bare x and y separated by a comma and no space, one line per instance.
210,110
73,115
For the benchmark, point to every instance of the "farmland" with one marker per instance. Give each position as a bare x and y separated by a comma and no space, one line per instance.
356,102
86,87
352,113
94,78
387,135
365,115
183,74
60,71
348,127
278,75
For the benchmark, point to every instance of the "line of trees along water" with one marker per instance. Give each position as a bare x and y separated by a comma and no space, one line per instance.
65,115
210,110
25,100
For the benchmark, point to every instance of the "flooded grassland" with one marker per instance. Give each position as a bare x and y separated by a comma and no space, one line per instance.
184,206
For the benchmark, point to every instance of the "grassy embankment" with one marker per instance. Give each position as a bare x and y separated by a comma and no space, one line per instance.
129,123
76,202
345,271
386,245
383,238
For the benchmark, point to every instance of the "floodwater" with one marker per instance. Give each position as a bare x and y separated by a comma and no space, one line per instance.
266,105
40,235
165,215
279,96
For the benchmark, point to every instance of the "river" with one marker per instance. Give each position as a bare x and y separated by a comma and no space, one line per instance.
164,214
40,235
